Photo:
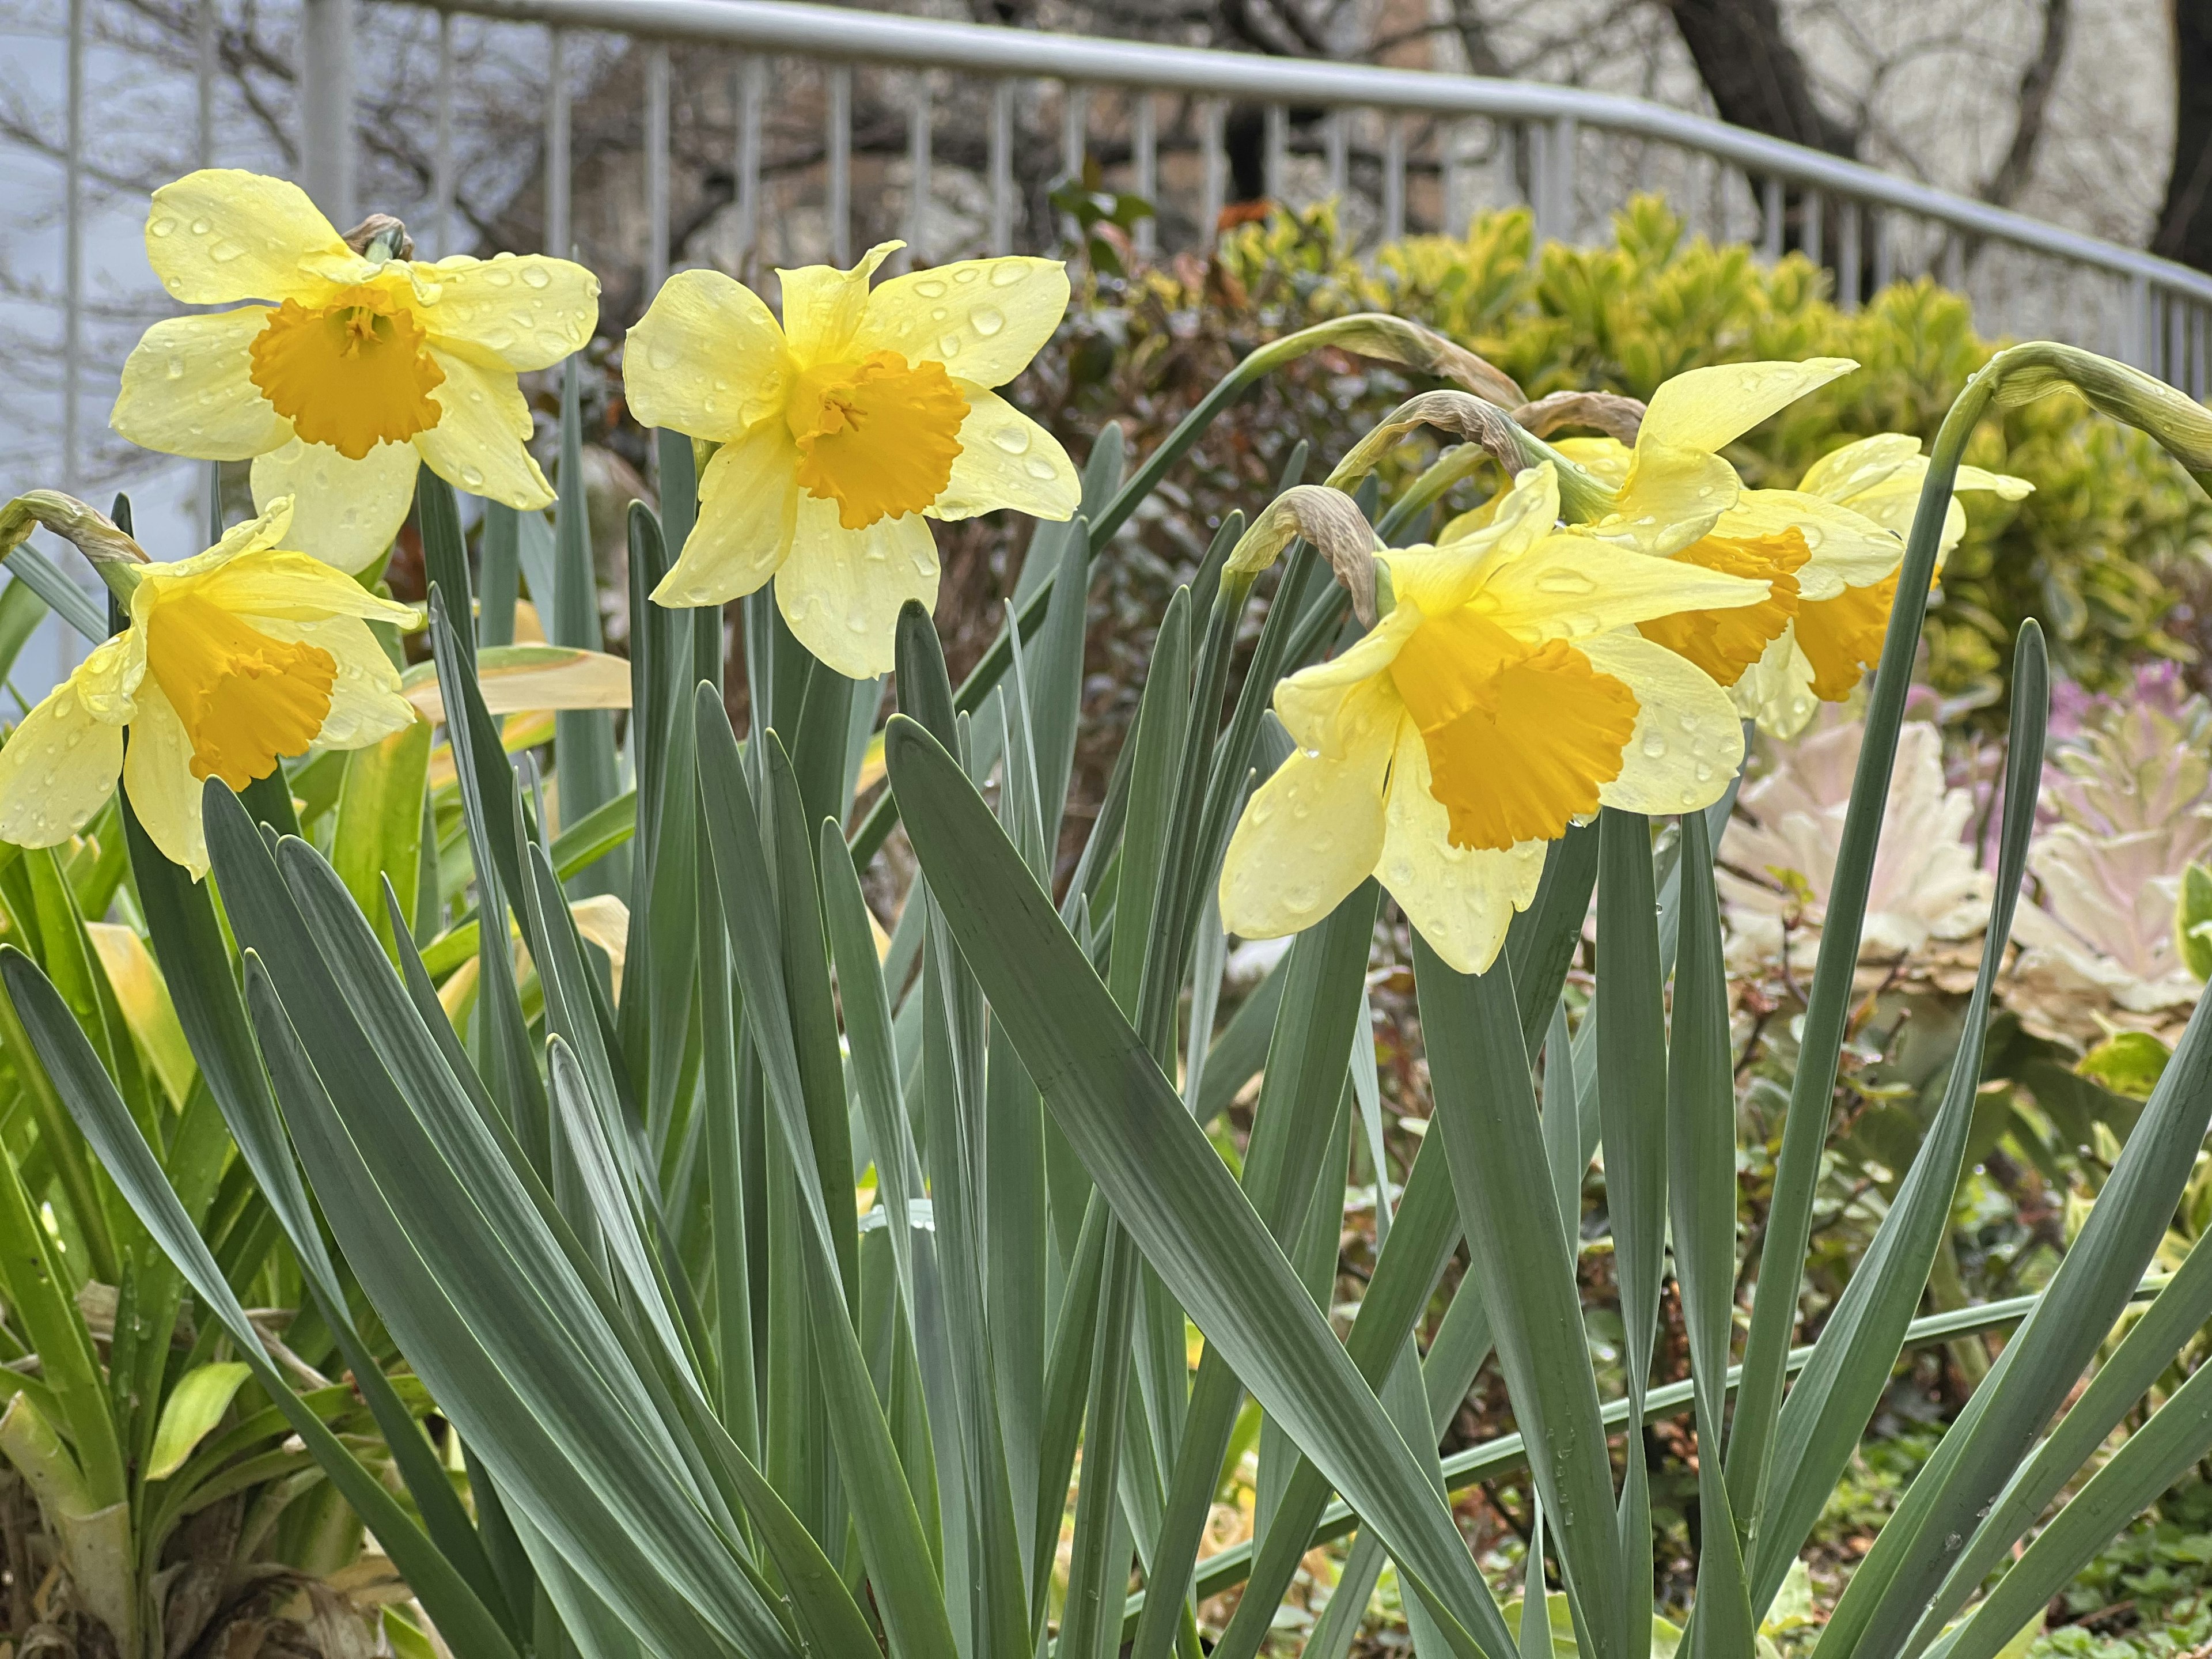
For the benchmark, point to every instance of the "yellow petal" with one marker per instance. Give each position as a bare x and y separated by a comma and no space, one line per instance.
841,589
1688,741
707,358
366,706
1609,459
516,678
1709,407
1307,702
1570,585
144,996
1848,549
1313,831
1448,575
158,772
1462,899
823,306
1861,464
220,236
345,513
187,390
1777,690
1673,497
515,311
748,507
58,768
271,585
982,319
478,442
1006,459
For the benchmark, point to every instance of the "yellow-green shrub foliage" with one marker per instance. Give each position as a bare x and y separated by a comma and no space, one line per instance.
2100,552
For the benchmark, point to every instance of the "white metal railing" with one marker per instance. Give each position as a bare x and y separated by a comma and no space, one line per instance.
2151,311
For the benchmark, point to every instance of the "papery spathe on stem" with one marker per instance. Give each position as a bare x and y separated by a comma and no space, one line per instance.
1328,518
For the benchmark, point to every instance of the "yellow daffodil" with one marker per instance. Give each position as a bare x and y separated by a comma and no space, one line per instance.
233,658
844,430
1835,637
1503,694
356,367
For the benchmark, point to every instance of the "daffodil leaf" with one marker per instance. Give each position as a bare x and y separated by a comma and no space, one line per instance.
192,1409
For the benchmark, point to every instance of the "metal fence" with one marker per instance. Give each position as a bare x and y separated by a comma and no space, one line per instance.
1409,149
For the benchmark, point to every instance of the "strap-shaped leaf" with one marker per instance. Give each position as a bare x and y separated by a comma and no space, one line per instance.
1153,1161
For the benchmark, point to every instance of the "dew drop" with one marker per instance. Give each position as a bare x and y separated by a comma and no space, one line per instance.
202,226
930,288
498,278
1014,440
473,477
986,321
1705,771
661,355
939,314
164,226
1038,467
1007,272
857,619
1564,582
176,369
964,274
536,276
949,345
1655,745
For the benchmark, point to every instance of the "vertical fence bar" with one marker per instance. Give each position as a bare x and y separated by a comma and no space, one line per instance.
1539,141
73,254
1336,141
1393,178
1847,258
558,240
1456,207
1770,214
1212,117
1074,127
751,90
1885,249
206,62
326,105
1560,148
2200,378
442,160
840,164
1813,228
1276,141
1955,261
1145,134
919,138
1002,167
2177,339
2137,336
656,167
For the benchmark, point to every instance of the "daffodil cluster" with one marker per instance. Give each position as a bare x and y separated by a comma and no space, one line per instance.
845,428
1505,694
352,365
234,659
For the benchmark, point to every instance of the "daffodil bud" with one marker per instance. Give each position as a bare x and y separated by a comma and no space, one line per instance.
92,532
1478,422
2021,373
381,238
1618,417
1328,518
1407,344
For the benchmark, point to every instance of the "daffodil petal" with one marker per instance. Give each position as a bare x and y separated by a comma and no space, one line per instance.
220,235
478,442
841,589
345,513
1609,459
158,772
188,390
1444,577
1462,899
1688,740
823,306
57,768
707,358
1569,586
1313,831
282,584
1777,690
1709,407
1848,549
1672,497
514,311
982,319
1006,459
1861,464
366,706
1308,702
748,510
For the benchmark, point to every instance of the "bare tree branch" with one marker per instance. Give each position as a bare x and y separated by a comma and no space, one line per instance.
2031,105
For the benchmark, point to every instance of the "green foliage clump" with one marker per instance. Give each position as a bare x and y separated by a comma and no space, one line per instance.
2113,539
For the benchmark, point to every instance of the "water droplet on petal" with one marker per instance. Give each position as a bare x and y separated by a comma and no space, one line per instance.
1039,468
1007,272
164,226
930,288
537,275
1654,746
948,345
473,477
202,225
497,278
1014,440
986,321
224,252
857,619
1564,582
963,273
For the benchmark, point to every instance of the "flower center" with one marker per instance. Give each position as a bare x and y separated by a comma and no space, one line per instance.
1724,643
1520,737
352,374
878,437
1842,637
245,698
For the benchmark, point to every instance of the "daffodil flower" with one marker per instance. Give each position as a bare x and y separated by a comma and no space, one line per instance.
845,429
232,658
1504,696
356,367
1836,636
